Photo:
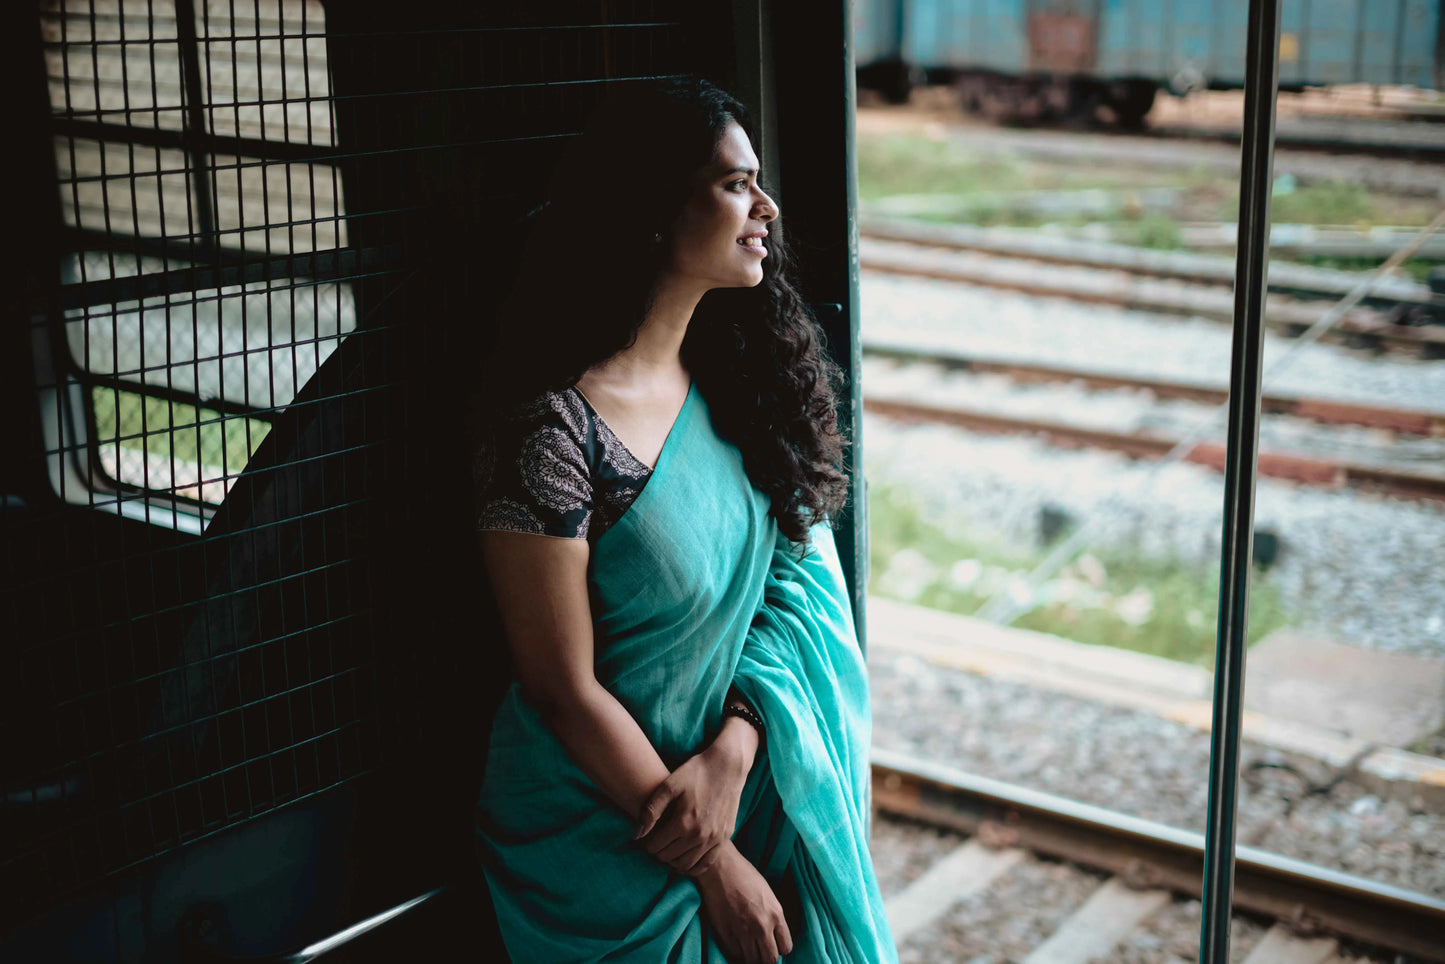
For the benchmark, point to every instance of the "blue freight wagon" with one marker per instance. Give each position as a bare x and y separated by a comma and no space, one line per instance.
1069,57
878,49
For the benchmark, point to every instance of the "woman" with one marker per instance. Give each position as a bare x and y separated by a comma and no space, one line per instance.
679,771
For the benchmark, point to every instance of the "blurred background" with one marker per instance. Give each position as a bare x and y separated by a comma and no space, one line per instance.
1048,197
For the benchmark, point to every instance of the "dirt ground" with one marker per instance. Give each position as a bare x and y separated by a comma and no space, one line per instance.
1202,108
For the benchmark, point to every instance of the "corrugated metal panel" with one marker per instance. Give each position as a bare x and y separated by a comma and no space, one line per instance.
978,34
876,35
1187,41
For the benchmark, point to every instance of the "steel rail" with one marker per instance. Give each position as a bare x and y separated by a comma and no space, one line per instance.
1287,319
1323,410
1299,138
1149,854
1211,270
1309,470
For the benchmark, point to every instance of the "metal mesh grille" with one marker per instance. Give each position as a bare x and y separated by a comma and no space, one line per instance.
243,394
184,134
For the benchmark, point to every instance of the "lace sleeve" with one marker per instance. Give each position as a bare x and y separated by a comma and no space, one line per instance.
533,476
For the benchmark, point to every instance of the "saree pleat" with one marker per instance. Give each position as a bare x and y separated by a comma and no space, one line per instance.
693,590
813,693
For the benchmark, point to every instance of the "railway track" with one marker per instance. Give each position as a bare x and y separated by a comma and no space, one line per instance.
1321,472
1171,285
1346,135
1325,411
1145,865
1206,269
1310,469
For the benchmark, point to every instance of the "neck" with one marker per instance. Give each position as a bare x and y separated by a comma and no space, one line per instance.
657,352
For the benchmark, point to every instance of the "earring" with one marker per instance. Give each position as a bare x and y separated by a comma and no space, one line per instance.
657,238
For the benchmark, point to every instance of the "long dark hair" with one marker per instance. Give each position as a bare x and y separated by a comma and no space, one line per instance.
587,280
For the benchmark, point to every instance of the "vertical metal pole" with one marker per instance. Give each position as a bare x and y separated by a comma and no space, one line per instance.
1251,268
195,133
856,531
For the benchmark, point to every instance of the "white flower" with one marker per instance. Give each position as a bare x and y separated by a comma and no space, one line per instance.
964,574
1092,570
908,574
1135,606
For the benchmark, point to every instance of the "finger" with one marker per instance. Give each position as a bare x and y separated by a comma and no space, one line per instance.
669,831
652,810
704,862
686,835
664,845
697,860
675,851
663,836
785,939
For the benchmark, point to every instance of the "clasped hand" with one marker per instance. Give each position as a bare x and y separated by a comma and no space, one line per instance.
693,811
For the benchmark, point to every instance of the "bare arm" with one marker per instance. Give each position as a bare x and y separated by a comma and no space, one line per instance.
541,588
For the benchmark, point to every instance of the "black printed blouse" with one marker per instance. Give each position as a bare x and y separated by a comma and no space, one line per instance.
555,469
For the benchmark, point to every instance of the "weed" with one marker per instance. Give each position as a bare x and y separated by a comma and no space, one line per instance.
1165,607
1152,230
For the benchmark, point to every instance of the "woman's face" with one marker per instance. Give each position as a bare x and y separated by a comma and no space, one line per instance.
725,205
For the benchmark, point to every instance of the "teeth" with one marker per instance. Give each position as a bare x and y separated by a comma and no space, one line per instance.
752,242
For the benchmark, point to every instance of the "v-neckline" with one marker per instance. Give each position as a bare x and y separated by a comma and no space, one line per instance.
672,430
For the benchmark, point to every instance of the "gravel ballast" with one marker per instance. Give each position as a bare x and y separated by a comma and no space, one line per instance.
1136,763
1003,325
1355,567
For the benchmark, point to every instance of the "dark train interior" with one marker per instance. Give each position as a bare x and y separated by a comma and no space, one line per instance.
248,660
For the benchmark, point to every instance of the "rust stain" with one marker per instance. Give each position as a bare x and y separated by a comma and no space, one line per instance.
1062,42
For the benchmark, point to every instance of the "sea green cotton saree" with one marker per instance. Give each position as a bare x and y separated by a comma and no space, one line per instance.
693,590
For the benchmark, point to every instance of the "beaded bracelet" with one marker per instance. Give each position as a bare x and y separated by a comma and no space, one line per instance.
742,712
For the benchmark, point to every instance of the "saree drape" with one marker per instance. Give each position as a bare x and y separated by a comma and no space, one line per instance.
694,589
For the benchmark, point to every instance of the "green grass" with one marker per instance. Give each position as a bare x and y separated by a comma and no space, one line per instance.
911,164
1331,202
1327,202
919,165
220,444
1416,268
906,164
1179,625
1152,230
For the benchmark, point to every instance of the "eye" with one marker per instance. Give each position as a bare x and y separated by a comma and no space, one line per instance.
734,184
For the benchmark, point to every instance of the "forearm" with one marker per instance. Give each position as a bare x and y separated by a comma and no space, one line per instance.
727,853
606,742
737,739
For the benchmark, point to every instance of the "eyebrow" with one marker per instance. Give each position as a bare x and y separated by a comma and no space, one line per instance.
739,170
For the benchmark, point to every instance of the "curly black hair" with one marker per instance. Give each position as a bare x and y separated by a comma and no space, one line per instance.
586,283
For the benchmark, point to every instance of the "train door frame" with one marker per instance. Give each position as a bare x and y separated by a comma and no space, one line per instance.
1241,464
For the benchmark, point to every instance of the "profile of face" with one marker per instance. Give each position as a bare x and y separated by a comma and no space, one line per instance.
719,238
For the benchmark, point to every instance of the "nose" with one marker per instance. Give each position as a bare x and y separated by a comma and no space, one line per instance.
766,209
